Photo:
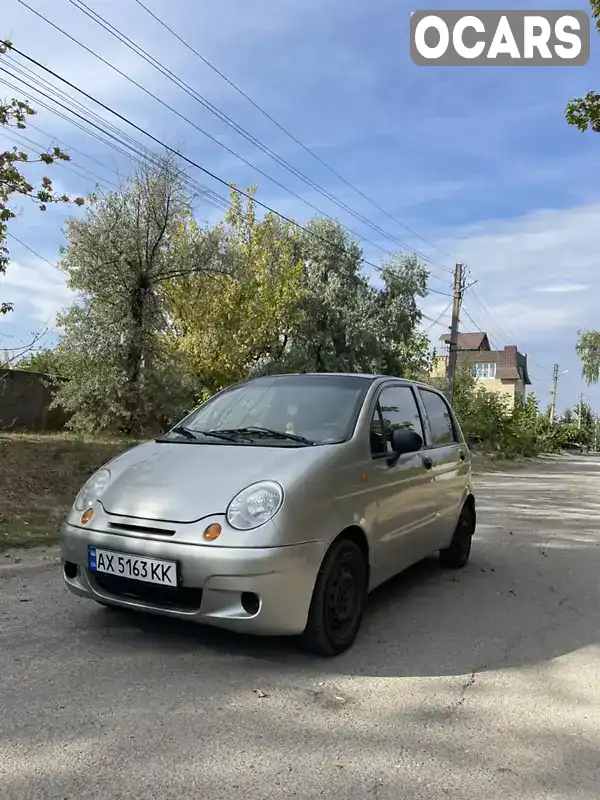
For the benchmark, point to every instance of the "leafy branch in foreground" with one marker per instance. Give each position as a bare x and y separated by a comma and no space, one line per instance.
14,114
584,112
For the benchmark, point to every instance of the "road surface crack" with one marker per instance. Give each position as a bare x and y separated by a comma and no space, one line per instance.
470,682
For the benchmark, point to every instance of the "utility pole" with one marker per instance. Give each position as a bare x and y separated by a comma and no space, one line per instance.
553,393
457,292
580,409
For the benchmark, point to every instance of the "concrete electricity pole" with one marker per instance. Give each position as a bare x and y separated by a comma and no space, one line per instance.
580,410
457,293
553,393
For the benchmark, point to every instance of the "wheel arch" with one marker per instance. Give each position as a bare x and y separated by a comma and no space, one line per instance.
355,534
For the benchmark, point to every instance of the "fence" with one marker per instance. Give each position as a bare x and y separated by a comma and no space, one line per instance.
25,398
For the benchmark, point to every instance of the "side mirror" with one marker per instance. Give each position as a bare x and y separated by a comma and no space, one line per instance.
405,440
472,438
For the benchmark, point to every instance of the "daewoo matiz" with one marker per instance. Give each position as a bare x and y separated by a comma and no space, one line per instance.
277,506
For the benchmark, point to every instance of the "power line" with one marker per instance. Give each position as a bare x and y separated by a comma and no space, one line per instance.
436,321
69,165
31,250
141,154
146,56
205,133
495,347
185,158
66,144
500,330
291,135
477,327
81,6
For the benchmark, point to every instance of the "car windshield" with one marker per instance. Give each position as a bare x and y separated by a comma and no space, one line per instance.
313,409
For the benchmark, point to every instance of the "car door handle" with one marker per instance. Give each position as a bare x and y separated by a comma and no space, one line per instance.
427,462
462,455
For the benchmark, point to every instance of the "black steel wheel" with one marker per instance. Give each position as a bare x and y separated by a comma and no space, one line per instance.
457,555
338,601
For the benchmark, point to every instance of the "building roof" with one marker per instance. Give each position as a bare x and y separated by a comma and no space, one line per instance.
474,348
470,341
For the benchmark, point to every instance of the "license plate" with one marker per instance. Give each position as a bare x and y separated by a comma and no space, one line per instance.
126,565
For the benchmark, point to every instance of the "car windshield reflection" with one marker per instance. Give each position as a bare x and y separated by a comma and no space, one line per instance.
291,411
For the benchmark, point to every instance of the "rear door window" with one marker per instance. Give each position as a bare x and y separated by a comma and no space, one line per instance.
440,419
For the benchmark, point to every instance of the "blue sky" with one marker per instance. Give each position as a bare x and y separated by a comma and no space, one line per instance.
477,160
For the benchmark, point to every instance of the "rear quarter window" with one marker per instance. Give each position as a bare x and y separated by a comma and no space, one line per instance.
440,419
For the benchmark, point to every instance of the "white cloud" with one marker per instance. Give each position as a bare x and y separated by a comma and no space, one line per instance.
562,288
38,292
551,252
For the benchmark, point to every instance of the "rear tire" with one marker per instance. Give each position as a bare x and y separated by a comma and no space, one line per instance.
338,601
456,556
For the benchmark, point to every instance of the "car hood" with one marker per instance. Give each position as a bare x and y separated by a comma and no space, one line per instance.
177,482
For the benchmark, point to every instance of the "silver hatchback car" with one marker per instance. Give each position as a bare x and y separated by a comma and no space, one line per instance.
277,506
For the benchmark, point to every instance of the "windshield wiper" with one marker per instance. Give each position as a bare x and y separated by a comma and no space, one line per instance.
183,432
189,434
258,430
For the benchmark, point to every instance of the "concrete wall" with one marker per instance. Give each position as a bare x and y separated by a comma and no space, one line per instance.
24,401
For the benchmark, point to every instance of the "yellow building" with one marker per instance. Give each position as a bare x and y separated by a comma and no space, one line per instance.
501,371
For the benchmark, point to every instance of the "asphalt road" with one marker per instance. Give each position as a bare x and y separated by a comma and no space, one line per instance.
479,685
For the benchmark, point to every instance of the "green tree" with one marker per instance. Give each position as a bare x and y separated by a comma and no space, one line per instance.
113,348
46,361
588,350
567,416
345,322
226,323
13,183
584,112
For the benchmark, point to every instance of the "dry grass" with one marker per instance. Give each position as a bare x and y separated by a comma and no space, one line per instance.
39,478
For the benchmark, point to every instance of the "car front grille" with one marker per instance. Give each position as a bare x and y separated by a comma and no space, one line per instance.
180,598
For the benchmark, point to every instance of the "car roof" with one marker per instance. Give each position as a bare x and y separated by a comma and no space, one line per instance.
371,377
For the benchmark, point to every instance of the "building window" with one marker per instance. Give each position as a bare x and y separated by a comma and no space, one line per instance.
485,371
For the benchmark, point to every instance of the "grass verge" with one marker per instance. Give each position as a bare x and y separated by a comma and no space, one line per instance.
39,478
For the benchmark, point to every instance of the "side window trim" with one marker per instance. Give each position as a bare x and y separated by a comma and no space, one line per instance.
417,400
385,454
430,445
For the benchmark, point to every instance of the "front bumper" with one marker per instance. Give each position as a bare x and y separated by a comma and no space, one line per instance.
282,578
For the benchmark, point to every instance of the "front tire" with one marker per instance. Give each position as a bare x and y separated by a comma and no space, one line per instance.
338,601
456,556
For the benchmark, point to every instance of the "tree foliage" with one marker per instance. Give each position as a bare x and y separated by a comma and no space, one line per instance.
225,323
13,183
588,350
505,431
345,323
130,243
584,112
168,312
46,361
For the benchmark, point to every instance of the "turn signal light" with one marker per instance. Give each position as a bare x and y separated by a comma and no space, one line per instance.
212,532
87,515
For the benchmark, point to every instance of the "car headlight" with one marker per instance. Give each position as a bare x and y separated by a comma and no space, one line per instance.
92,489
255,505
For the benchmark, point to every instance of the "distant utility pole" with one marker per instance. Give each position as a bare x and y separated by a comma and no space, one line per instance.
457,293
553,393
580,409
